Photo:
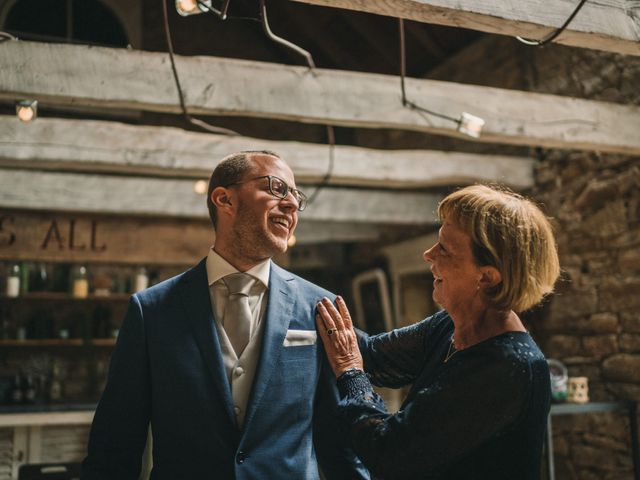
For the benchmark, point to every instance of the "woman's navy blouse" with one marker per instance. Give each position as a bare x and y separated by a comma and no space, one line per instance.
480,415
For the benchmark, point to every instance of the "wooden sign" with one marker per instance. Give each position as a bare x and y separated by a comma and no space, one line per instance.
64,237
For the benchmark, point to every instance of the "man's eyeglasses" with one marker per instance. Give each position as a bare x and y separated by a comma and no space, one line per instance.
279,188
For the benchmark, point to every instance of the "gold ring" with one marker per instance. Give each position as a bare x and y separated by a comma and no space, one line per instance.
330,331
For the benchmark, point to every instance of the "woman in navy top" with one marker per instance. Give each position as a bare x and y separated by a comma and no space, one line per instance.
480,391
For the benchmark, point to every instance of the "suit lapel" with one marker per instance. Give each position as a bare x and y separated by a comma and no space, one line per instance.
194,290
281,301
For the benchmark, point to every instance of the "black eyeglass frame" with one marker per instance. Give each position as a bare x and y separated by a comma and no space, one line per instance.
298,196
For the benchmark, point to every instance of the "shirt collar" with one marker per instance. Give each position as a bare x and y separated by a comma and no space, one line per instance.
218,268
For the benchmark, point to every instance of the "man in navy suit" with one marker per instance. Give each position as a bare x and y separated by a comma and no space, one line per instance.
233,383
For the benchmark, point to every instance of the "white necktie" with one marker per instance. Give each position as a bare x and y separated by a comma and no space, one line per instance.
237,313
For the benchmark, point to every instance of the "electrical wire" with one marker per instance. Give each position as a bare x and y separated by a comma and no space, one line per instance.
222,14
4,36
192,120
331,139
282,41
554,35
403,67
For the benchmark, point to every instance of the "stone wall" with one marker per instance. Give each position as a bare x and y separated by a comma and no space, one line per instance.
592,323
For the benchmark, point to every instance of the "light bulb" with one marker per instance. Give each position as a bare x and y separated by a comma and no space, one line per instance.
192,7
200,187
470,125
27,110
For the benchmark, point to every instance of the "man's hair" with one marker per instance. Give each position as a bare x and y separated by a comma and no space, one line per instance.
510,233
231,169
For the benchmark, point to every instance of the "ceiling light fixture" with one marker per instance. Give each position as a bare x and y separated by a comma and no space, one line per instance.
200,187
467,124
192,7
470,125
27,110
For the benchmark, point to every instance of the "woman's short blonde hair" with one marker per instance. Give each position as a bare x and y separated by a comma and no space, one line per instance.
511,234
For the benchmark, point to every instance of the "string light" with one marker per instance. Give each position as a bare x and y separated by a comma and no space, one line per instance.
27,110
183,106
192,7
467,124
470,125
200,187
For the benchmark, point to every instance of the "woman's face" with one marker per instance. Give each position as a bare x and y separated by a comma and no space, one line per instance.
456,275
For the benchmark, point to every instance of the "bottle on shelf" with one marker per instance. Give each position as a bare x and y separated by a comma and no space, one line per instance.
141,279
13,281
29,390
15,394
21,332
39,278
25,272
55,384
101,322
102,284
7,323
80,282
60,276
5,334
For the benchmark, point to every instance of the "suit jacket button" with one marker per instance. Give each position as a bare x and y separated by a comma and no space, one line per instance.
241,457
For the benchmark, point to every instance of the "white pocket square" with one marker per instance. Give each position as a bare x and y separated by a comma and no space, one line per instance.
296,338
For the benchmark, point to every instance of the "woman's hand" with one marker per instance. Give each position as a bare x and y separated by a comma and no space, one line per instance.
337,334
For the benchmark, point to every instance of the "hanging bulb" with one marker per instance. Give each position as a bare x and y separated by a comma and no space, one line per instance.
200,187
192,7
27,110
470,125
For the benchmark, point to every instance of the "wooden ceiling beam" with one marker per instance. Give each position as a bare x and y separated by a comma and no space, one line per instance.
121,195
608,25
92,146
114,78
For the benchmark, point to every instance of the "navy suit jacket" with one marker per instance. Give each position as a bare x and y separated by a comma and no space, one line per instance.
167,370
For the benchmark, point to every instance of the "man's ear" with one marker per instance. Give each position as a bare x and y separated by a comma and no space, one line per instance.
221,198
490,277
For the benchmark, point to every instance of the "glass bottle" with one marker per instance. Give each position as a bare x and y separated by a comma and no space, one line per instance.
141,280
39,281
29,391
25,272
13,281
80,282
15,395
55,385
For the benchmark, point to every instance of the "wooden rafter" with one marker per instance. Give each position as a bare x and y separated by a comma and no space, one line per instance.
110,78
168,197
609,25
110,147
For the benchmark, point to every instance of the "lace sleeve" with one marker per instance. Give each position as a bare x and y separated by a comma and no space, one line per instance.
394,359
470,402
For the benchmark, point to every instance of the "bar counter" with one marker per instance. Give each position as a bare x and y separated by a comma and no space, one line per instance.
39,415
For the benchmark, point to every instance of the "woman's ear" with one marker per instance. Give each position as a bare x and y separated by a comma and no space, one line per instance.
490,277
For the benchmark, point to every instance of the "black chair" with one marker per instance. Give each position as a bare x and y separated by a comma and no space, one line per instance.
49,471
